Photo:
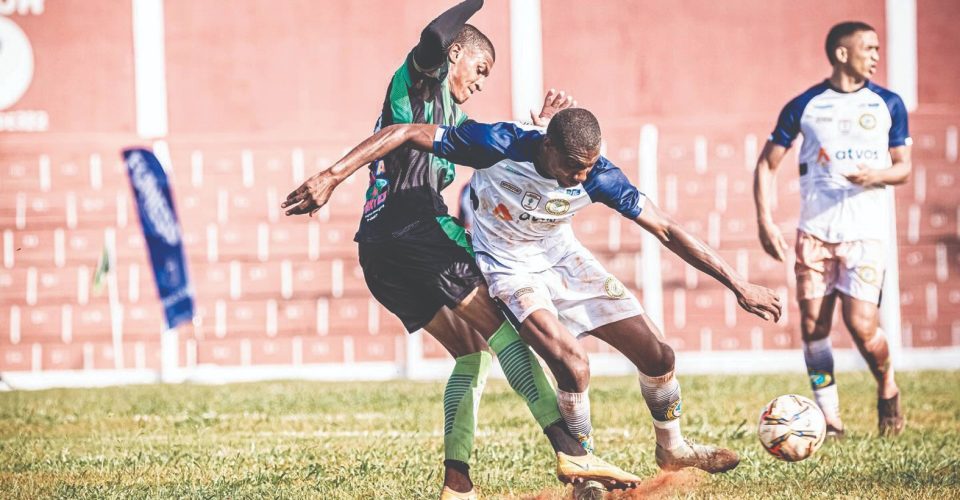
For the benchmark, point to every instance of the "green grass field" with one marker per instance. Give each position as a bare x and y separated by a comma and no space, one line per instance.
383,440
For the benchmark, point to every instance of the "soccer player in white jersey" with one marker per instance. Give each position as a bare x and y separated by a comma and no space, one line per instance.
528,186
855,144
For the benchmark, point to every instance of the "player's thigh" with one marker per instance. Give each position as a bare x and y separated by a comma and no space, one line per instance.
480,311
816,267
861,317
544,332
860,281
565,356
816,316
639,339
455,334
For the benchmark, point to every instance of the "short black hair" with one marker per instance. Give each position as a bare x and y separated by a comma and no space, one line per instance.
841,31
470,36
574,130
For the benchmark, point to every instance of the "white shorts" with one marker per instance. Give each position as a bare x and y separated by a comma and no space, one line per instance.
854,268
577,289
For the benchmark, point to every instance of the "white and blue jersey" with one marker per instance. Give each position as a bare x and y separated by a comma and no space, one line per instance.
841,131
522,218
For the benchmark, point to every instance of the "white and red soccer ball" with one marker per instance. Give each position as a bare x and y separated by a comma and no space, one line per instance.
791,427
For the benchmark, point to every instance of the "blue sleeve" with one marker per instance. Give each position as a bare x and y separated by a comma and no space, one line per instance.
788,124
481,145
899,131
608,185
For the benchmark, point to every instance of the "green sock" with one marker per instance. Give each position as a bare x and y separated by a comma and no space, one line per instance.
525,374
461,400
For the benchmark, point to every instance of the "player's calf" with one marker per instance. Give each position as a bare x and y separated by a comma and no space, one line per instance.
662,395
818,355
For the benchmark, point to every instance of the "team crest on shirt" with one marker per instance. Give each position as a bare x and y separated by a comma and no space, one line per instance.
613,288
557,206
530,201
868,121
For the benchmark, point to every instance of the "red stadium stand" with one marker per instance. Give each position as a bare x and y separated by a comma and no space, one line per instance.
273,290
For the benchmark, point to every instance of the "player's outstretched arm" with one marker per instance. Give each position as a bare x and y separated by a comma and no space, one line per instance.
755,299
315,191
763,178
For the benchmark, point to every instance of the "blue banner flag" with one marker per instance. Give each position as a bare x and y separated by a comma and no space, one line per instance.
161,229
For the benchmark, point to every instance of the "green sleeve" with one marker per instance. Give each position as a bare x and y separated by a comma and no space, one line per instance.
400,94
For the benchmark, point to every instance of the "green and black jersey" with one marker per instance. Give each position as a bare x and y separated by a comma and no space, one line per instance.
405,185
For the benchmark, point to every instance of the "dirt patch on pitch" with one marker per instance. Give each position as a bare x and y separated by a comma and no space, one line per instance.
662,485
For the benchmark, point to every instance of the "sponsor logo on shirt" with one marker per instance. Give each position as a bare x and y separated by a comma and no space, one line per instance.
502,213
823,159
822,106
530,201
857,154
823,119
868,121
540,220
376,194
557,206
573,191
510,187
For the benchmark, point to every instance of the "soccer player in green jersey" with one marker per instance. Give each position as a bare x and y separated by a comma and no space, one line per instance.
418,263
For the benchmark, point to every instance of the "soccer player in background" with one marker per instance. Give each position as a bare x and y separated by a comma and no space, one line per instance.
527,187
855,144
417,261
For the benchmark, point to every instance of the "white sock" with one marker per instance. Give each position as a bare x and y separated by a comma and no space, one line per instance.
663,399
829,402
575,409
669,436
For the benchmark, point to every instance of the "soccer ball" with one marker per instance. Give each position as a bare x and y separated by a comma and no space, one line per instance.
791,427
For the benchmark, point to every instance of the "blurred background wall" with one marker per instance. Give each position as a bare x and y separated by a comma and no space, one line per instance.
244,99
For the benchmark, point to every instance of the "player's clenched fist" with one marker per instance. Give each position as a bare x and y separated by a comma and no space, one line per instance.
313,194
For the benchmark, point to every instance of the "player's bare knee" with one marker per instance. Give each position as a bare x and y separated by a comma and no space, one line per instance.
571,368
661,361
862,326
579,364
668,358
812,330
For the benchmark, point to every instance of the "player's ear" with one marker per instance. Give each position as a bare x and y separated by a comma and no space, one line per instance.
454,53
840,54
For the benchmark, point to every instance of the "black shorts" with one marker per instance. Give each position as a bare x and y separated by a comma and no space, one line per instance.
416,274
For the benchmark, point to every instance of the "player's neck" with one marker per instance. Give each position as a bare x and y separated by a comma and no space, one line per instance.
842,81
